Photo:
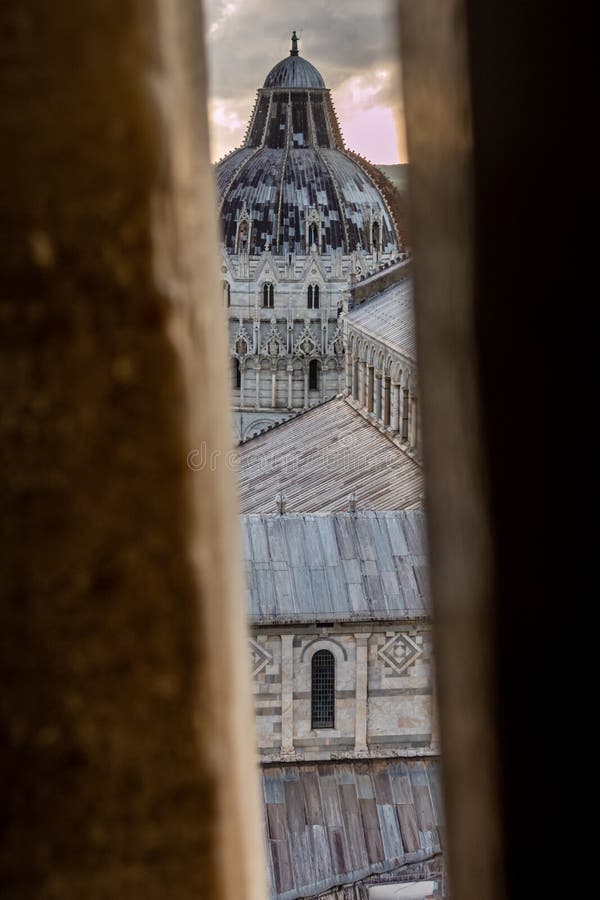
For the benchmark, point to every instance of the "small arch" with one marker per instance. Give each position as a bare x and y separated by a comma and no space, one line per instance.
313,235
328,643
313,375
322,694
268,295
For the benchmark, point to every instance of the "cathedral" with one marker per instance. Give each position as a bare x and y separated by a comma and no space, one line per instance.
303,218
317,289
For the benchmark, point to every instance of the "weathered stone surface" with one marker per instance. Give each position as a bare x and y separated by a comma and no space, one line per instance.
122,689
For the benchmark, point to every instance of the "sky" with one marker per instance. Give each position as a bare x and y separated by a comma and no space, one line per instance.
351,43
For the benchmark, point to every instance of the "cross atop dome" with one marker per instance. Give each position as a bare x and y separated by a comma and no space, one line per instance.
294,51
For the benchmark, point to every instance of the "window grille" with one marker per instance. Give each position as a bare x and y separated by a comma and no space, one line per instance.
323,690
313,296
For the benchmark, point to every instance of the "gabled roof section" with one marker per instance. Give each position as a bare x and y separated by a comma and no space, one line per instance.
317,459
341,567
313,261
389,318
267,268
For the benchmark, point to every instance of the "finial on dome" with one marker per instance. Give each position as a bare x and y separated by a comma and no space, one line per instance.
294,50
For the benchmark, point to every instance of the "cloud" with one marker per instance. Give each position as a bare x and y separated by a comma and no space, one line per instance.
353,44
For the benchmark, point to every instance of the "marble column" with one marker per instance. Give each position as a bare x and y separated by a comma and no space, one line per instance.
287,693
242,379
257,376
361,701
405,412
413,422
322,381
306,387
370,385
395,412
377,396
355,378
290,373
386,401
348,367
362,382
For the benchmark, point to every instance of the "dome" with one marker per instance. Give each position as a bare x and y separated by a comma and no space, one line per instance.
293,179
294,72
282,190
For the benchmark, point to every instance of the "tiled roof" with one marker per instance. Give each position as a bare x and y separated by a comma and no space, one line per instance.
389,317
331,824
336,567
319,458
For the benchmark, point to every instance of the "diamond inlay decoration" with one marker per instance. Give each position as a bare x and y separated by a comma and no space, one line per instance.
259,657
400,652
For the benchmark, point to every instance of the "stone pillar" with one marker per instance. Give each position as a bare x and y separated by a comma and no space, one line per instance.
405,413
290,373
395,413
305,386
362,382
377,395
413,422
273,386
387,401
348,368
361,702
242,374
370,387
355,378
128,739
287,693
323,370
257,378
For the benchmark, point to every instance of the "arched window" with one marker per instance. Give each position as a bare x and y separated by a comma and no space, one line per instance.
313,235
237,373
323,690
313,296
313,375
268,301
227,292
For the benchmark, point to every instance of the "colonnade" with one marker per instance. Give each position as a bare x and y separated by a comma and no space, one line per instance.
268,391
389,401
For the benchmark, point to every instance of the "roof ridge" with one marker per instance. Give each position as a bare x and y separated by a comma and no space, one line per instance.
293,417
335,512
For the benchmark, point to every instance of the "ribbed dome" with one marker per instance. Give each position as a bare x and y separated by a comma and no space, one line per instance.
294,72
293,170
